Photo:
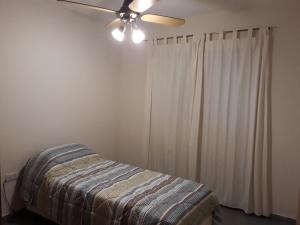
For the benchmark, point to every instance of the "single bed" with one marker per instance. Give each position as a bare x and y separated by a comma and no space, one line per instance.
73,185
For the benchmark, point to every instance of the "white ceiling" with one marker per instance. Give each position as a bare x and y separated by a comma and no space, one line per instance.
176,8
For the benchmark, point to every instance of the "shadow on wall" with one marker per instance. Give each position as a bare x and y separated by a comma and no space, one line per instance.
15,204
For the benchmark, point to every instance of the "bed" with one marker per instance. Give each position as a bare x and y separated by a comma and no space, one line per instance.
73,185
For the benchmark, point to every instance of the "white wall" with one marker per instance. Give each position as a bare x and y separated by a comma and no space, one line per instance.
58,82
285,16
132,96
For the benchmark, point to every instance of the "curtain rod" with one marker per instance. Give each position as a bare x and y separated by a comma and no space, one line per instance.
243,29
213,32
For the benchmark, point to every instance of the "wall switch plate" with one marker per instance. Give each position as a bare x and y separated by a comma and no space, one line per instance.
11,176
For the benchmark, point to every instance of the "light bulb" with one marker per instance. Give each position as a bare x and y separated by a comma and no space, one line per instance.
142,6
133,15
138,36
118,34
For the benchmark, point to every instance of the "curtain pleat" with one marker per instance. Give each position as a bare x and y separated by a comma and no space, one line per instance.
173,107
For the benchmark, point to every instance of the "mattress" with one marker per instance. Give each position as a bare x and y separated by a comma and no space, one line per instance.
73,185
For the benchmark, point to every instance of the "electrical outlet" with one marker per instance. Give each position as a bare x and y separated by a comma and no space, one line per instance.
11,176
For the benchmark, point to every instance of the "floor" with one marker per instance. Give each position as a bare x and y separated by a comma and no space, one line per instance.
236,217
230,216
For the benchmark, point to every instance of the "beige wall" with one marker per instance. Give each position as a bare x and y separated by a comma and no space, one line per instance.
132,96
285,16
298,218
58,82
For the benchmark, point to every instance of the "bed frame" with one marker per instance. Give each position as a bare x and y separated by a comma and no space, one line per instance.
207,221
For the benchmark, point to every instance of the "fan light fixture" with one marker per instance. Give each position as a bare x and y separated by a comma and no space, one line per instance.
131,12
119,34
143,5
137,35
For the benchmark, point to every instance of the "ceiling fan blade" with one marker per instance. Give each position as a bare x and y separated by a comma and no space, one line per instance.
89,6
164,20
115,23
142,5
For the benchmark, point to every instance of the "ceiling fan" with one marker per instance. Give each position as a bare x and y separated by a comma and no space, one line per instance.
129,14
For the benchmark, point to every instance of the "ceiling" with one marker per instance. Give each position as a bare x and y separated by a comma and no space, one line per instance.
180,8
175,8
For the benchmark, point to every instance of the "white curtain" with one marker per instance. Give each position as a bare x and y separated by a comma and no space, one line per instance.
173,107
208,116
235,152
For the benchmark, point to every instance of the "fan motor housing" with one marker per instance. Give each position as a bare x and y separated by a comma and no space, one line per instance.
128,16
125,6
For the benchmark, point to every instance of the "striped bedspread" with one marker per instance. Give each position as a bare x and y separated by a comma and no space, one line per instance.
72,185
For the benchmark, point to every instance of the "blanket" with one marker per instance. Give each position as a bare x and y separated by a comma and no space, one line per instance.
73,185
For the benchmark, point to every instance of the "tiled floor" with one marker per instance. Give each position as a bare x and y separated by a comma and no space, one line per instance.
231,217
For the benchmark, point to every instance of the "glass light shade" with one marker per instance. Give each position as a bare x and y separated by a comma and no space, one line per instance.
143,5
118,34
138,36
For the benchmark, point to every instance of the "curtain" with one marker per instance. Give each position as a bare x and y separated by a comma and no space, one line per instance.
208,116
174,85
235,151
